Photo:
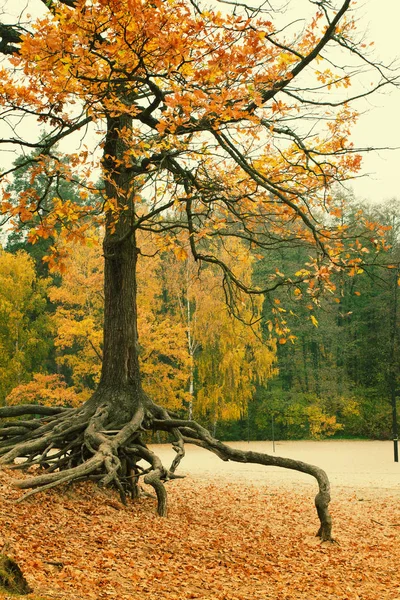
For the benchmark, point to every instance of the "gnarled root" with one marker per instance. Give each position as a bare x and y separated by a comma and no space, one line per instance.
193,433
68,445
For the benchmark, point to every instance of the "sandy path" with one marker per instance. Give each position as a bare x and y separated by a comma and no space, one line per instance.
357,465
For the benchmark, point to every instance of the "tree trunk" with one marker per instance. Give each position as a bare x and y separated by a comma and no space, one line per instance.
120,366
191,344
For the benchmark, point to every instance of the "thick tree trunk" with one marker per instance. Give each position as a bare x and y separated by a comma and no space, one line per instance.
121,346
120,373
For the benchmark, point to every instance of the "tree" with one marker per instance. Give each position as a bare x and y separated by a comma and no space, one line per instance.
25,328
211,127
78,316
51,390
337,366
227,357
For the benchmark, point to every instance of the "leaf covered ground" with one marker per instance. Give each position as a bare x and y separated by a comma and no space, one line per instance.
221,541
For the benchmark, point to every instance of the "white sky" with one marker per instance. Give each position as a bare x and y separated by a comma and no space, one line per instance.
379,126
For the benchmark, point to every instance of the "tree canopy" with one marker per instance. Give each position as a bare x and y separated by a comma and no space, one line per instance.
221,125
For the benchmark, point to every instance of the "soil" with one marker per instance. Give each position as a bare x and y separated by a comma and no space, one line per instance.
357,465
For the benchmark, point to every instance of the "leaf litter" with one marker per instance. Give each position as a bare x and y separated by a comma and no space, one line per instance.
221,541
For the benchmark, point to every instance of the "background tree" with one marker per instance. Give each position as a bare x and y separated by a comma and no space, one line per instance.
338,363
78,316
211,127
50,390
227,358
25,328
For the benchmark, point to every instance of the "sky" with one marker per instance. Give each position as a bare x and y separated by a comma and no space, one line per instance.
379,125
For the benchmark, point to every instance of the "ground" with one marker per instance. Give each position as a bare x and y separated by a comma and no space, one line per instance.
234,532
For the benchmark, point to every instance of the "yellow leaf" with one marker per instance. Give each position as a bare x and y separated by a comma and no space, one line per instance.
180,253
314,321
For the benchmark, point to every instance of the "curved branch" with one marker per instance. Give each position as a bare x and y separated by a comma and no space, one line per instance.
280,85
264,183
51,140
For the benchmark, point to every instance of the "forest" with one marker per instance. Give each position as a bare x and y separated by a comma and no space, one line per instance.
327,372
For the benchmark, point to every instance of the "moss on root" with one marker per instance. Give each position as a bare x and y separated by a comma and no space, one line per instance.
12,580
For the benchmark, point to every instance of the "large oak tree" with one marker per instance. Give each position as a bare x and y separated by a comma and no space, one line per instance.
209,125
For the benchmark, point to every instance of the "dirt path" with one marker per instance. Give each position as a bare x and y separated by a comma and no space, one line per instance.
349,464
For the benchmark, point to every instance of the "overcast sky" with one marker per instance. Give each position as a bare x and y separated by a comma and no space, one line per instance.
379,126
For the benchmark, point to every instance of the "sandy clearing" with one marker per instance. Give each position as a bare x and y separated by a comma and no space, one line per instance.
357,465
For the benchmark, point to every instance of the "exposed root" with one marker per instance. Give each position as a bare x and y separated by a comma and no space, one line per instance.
196,434
68,445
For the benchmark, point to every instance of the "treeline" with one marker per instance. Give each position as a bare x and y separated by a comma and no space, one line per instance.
304,367
336,378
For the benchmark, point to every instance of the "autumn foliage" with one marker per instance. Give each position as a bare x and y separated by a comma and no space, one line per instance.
197,71
228,358
24,326
220,137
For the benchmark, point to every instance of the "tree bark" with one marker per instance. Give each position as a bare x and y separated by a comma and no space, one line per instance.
120,381
121,345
